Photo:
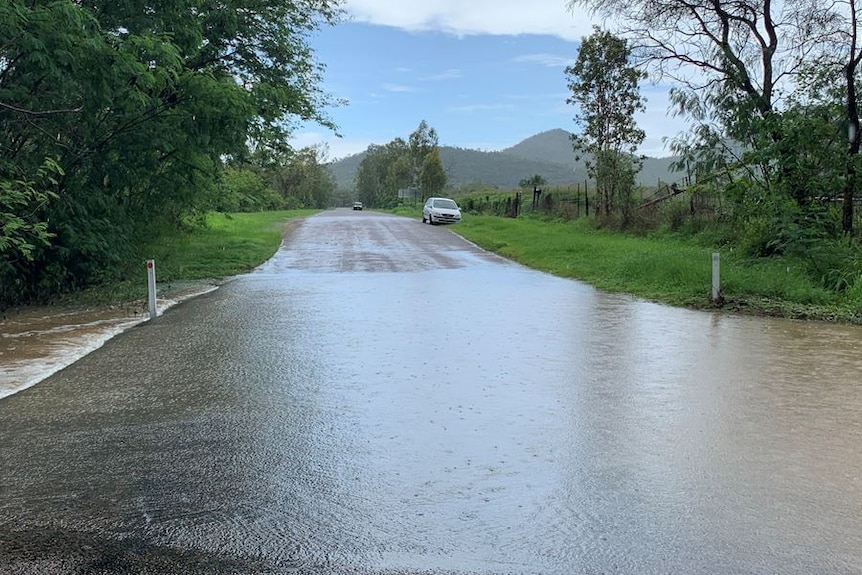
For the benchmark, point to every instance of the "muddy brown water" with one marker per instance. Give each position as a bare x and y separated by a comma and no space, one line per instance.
36,342
382,397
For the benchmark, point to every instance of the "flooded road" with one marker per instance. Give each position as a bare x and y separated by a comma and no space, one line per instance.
384,398
36,342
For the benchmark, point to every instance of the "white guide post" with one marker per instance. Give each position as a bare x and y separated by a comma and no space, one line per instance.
151,285
716,276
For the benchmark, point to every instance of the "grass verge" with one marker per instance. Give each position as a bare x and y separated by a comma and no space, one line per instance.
672,271
229,244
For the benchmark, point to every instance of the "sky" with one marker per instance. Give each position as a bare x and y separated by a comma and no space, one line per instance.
485,74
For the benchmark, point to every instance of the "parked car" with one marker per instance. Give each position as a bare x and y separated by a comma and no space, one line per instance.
441,211
357,206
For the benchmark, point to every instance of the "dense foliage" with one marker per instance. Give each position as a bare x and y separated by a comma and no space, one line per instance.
770,91
414,164
117,119
286,180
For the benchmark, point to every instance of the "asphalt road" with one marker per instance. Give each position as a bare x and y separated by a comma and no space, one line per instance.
382,397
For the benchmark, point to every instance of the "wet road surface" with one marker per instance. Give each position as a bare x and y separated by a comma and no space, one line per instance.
382,397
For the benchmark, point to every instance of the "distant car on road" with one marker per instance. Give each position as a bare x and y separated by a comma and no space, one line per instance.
441,211
357,206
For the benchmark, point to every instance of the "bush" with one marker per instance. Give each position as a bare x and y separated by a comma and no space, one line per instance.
245,190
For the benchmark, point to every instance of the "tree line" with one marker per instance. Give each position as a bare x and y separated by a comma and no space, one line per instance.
121,119
413,165
770,93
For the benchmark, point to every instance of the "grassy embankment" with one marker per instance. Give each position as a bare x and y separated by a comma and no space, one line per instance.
669,270
230,244
676,271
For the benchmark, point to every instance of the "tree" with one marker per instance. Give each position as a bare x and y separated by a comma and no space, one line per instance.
246,190
432,178
737,49
387,169
376,178
728,60
400,174
605,88
421,142
535,180
854,132
303,180
140,104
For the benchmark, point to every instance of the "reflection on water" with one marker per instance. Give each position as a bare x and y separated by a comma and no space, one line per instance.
464,416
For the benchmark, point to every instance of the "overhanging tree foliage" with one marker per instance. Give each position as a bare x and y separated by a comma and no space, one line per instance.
140,103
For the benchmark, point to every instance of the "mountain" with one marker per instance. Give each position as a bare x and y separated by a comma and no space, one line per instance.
548,154
553,146
503,170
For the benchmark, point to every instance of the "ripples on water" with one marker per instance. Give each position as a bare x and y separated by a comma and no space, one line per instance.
464,415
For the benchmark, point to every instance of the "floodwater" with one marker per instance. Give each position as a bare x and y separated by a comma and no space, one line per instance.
382,397
36,342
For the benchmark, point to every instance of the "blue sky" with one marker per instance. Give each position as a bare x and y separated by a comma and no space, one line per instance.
485,74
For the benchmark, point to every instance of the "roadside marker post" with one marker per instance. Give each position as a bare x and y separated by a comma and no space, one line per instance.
151,285
716,276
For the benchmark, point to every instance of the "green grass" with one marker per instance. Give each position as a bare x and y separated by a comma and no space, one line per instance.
229,244
675,271
669,270
408,211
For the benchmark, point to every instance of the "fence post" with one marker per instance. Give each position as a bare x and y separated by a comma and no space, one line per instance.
151,287
716,277
586,202
578,203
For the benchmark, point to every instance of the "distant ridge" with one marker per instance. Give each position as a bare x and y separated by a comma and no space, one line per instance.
553,146
548,154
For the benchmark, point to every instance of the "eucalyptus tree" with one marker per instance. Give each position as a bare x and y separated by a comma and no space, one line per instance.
386,169
605,88
421,142
729,61
400,174
376,178
432,177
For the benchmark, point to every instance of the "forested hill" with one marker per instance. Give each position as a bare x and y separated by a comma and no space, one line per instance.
548,154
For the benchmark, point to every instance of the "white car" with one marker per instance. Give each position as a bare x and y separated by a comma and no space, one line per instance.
441,211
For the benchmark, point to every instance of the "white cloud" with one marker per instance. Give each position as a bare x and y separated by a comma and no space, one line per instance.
398,88
474,17
547,60
450,74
